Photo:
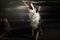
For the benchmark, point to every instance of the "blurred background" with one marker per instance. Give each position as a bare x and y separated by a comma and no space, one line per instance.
17,14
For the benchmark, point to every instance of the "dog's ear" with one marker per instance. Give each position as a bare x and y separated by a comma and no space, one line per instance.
39,8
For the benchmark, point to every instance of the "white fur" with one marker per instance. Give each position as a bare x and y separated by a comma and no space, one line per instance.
34,19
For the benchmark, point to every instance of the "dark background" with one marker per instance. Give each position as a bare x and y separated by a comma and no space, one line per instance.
21,30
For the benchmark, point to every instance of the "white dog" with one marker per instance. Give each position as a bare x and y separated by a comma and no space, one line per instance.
34,21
